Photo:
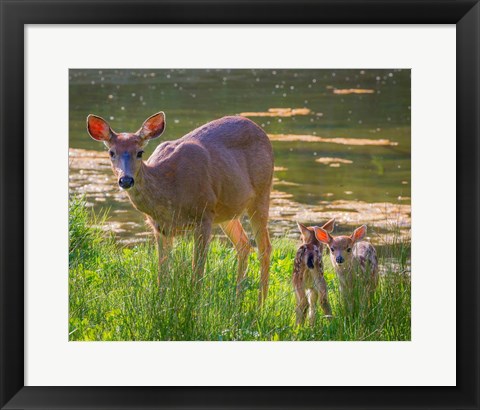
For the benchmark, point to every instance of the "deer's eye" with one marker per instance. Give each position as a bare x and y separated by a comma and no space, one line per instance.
112,154
139,154
332,249
349,249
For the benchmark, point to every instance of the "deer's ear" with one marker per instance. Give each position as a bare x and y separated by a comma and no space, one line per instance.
329,225
307,234
98,128
322,235
359,233
153,126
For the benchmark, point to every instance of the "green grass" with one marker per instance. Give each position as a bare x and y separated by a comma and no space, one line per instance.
114,294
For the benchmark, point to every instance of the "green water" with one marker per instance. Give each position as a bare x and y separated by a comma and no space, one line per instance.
193,97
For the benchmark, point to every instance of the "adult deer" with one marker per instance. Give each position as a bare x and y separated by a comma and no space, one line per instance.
212,175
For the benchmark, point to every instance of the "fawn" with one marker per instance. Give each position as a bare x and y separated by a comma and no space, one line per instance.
210,176
308,280
349,254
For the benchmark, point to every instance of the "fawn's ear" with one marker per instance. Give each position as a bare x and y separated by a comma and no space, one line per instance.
329,225
153,126
307,234
322,235
98,128
359,233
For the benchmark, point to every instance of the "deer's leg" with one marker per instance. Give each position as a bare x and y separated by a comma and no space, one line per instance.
163,244
201,239
321,287
302,304
235,232
312,296
346,291
259,219
343,284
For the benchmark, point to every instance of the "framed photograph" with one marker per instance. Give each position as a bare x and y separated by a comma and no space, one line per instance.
239,205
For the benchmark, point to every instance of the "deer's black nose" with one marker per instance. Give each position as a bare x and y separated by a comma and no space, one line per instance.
126,182
339,259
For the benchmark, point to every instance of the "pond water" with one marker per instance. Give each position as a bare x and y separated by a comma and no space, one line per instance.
341,138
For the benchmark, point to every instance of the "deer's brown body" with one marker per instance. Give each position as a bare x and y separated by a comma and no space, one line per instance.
212,175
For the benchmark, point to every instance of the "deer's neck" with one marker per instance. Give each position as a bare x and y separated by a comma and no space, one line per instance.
343,269
151,194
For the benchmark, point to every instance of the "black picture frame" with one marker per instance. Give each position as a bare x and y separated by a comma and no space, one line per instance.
16,14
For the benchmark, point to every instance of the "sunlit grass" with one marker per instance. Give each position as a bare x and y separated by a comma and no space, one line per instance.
114,294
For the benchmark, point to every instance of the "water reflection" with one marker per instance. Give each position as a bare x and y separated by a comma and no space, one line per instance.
341,138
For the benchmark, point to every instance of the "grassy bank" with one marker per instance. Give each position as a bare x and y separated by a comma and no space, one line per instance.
114,295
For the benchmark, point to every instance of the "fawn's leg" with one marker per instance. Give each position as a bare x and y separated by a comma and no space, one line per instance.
201,240
235,232
259,218
302,304
321,287
346,292
312,296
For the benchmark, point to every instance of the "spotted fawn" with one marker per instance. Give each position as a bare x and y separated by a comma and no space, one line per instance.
349,254
308,281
